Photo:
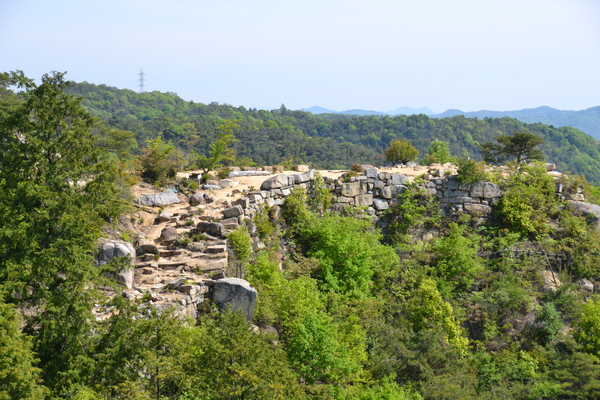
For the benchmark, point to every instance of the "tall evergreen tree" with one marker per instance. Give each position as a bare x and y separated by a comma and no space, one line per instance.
57,194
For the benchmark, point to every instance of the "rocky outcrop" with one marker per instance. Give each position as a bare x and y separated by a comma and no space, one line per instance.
591,211
196,199
275,182
158,199
169,234
109,250
212,228
551,281
235,293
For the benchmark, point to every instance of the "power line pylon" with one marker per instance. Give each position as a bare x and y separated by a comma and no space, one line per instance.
141,74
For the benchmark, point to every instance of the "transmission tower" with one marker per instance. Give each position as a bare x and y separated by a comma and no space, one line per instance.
141,74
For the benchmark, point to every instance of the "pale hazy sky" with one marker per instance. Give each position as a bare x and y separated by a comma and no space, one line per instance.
339,54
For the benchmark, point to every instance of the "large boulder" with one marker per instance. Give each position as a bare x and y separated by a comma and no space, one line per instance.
591,211
196,199
364,200
233,211
213,228
275,182
391,192
158,199
147,246
169,234
237,294
164,216
109,250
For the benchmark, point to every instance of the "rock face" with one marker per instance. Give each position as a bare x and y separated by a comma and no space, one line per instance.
235,293
117,249
590,210
233,211
213,228
147,246
275,182
551,281
196,199
158,199
169,234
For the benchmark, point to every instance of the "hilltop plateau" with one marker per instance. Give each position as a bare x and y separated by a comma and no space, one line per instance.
149,252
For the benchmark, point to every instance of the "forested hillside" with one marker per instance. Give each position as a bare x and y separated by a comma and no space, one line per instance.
327,140
487,292
587,120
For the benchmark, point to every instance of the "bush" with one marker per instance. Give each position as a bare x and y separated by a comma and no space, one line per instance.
455,260
160,160
223,173
439,152
400,151
241,243
415,209
349,251
470,171
320,197
356,168
529,201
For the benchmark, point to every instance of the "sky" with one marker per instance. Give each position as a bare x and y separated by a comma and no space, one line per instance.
380,55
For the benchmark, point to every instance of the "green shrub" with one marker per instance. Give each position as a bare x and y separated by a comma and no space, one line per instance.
264,226
160,160
198,236
470,171
587,326
400,151
356,168
529,201
320,197
295,208
415,209
346,177
241,243
455,260
223,173
350,253
439,152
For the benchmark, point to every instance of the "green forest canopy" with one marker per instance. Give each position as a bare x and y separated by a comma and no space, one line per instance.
327,140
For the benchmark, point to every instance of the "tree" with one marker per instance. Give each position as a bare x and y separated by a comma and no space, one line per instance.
520,147
19,378
57,193
439,152
226,360
220,150
160,160
400,151
427,309
350,253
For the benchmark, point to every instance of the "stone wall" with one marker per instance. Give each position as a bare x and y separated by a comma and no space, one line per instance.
377,191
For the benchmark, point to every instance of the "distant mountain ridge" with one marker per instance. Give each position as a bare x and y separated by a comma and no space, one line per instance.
398,111
587,120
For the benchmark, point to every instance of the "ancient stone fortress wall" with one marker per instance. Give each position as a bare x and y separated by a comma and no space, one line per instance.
377,191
